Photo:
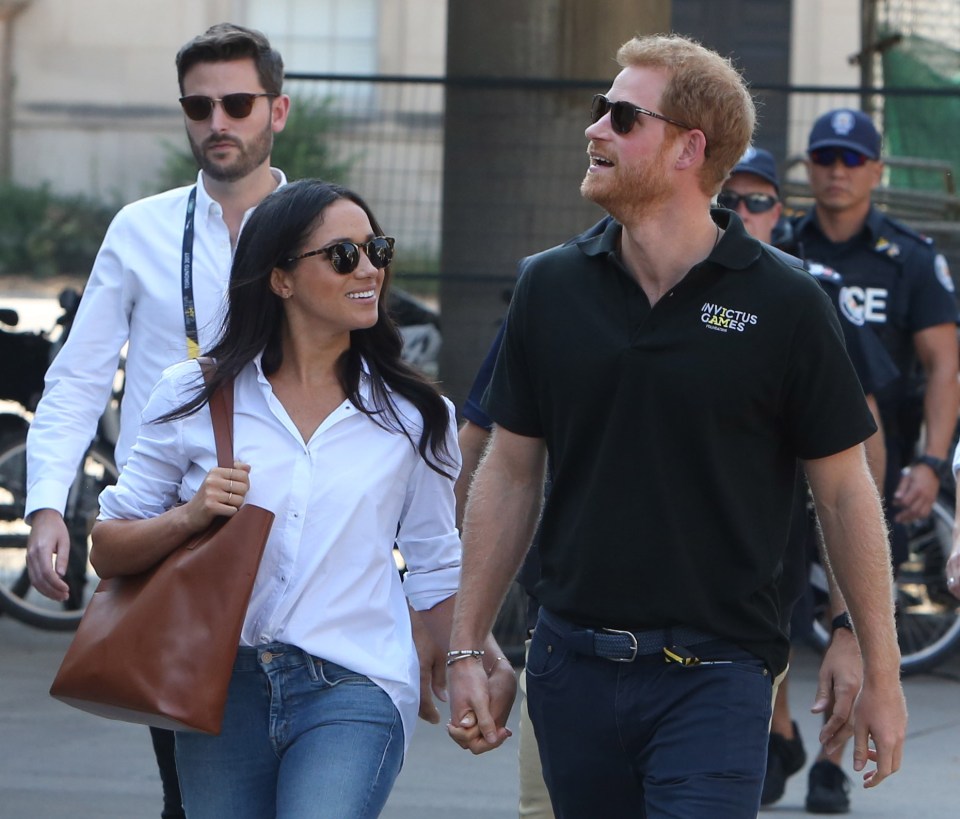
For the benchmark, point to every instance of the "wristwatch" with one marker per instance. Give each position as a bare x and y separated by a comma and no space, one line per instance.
842,620
939,466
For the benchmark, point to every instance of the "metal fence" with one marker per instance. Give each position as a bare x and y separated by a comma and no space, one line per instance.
390,134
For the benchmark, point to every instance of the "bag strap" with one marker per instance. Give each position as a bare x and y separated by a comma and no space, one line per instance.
221,412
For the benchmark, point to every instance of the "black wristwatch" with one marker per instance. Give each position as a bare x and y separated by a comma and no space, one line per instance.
842,620
939,466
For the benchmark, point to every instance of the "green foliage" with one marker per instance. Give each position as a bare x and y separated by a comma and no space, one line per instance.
46,234
302,150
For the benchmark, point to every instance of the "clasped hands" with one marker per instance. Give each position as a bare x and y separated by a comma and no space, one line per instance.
480,704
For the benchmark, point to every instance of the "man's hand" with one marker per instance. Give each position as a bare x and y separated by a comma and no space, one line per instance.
48,537
916,493
477,702
880,714
839,683
433,669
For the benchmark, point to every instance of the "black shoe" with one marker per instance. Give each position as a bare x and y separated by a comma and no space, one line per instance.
829,789
784,758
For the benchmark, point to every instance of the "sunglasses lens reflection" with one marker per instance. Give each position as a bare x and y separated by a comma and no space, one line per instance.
828,156
236,106
380,252
622,114
345,256
197,108
754,202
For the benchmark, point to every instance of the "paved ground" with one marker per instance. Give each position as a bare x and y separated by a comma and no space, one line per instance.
59,763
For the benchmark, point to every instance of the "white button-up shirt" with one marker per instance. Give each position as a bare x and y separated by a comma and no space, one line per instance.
133,294
327,582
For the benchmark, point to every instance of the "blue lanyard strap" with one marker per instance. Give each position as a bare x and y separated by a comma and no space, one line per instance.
186,279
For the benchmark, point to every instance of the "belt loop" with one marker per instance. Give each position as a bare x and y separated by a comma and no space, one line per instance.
311,662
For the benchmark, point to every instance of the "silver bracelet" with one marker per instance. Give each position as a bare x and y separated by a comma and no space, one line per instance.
462,654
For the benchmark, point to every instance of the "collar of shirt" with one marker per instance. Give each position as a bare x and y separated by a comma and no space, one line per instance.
872,225
736,250
209,208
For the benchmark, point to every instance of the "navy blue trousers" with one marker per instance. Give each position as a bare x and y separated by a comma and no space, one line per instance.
649,738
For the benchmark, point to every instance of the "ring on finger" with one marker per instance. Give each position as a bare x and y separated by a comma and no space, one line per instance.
230,499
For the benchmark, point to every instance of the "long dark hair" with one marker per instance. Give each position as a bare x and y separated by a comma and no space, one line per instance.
275,232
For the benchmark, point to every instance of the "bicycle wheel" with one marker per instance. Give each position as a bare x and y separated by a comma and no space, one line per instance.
927,615
17,597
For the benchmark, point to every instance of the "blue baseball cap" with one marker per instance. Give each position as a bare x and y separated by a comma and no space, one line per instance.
760,163
846,128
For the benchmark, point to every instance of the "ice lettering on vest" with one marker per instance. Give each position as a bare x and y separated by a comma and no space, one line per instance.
863,304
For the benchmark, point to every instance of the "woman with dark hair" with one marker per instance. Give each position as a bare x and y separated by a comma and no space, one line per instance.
354,452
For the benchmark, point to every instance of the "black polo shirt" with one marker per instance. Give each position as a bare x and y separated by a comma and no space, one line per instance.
673,432
894,282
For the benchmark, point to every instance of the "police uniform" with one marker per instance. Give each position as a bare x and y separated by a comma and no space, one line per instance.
895,283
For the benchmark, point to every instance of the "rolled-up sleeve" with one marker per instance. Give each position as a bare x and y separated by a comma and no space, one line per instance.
428,537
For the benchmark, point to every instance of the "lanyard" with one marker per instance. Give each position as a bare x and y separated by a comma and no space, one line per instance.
186,280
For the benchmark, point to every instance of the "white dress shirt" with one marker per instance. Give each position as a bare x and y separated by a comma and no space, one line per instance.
133,294
328,582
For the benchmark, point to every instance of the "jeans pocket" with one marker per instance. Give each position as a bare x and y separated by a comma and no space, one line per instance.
332,674
547,657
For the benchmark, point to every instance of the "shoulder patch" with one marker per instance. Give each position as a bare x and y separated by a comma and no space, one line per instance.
942,269
887,248
823,273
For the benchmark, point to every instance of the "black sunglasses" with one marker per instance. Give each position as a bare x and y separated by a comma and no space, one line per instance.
345,256
624,114
754,202
235,106
827,156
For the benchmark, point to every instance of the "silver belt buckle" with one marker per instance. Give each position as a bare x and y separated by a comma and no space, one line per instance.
634,647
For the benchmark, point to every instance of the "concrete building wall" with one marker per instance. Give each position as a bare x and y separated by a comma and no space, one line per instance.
94,90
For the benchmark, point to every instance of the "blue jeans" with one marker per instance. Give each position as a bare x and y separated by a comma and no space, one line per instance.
649,738
302,738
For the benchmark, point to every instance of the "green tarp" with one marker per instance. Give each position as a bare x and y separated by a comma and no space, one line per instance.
922,125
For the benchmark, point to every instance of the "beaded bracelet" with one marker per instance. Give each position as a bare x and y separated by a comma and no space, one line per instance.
462,654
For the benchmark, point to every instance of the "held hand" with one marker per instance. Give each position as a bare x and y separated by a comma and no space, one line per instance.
503,691
433,670
221,493
839,683
472,725
48,537
916,493
880,714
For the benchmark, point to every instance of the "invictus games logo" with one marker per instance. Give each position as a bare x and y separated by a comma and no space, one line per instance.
725,319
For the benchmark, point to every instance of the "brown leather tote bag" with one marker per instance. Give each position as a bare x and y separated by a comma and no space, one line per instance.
157,648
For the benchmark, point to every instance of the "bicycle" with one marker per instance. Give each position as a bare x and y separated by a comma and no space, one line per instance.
927,614
25,358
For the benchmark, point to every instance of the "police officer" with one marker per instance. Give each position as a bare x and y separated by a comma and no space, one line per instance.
897,284
753,191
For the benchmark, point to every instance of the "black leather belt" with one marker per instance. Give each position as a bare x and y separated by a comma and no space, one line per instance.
618,645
